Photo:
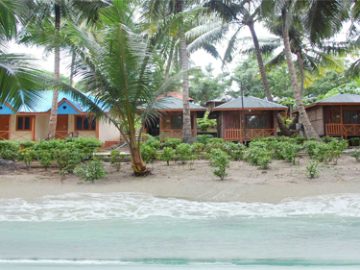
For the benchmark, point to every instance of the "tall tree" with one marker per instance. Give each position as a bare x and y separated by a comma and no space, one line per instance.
245,13
182,28
43,27
18,78
320,20
118,68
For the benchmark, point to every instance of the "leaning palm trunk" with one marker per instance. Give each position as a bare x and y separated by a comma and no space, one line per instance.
54,106
264,79
309,131
138,164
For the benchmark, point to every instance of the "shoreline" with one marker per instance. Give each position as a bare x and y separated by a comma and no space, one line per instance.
244,183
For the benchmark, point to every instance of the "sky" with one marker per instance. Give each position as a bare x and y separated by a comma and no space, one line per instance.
45,60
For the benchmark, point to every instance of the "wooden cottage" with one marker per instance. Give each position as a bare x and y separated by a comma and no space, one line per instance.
169,122
72,121
247,118
337,116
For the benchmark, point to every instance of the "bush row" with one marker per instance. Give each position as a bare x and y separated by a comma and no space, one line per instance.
65,154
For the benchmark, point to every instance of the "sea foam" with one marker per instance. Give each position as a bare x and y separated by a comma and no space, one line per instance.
98,206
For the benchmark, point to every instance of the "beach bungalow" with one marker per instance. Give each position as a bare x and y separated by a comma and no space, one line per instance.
337,116
73,121
247,118
169,122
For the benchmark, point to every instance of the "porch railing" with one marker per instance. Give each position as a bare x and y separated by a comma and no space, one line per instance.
236,134
342,130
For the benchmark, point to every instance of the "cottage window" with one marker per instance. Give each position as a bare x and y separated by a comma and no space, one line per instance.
258,121
23,123
352,117
176,121
85,123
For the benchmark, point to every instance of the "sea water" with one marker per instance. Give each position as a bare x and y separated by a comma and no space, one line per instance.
137,231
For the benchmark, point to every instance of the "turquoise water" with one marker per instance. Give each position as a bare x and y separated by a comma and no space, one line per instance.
135,231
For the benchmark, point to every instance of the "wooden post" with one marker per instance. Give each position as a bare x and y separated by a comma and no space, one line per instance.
341,122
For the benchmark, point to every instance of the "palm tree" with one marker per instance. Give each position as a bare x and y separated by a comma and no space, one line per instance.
245,13
44,22
182,29
321,20
18,79
118,70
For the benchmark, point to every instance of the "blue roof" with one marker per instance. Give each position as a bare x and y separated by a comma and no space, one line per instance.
5,109
67,106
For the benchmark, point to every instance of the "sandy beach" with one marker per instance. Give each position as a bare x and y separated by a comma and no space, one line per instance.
244,182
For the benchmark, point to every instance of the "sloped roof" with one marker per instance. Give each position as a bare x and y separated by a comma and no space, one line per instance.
44,101
249,103
341,98
174,94
173,103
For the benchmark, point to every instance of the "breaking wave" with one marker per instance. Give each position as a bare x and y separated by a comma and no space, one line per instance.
98,206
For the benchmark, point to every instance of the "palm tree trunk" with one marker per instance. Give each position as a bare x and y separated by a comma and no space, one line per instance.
138,164
264,79
184,61
169,60
54,106
309,131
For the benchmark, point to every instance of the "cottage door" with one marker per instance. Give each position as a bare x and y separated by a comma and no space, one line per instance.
62,126
4,127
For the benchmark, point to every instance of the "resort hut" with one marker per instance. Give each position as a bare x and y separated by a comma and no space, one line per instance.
73,120
246,118
337,116
169,122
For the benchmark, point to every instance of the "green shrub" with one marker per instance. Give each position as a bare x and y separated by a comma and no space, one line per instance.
356,155
220,161
312,170
258,154
91,170
204,138
167,155
289,151
148,153
153,142
334,150
198,148
28,156
9,150
67,159
214,143
205,123
171,142
85,146
44,157
184,152
235,150
26,144
116,158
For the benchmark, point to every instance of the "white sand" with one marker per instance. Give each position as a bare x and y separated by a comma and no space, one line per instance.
244,182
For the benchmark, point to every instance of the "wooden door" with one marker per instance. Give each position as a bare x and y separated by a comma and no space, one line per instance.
4,127
62,126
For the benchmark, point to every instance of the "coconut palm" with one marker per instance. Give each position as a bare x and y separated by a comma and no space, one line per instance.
182,28
117,69
44,22
18,79
321,20
243,13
